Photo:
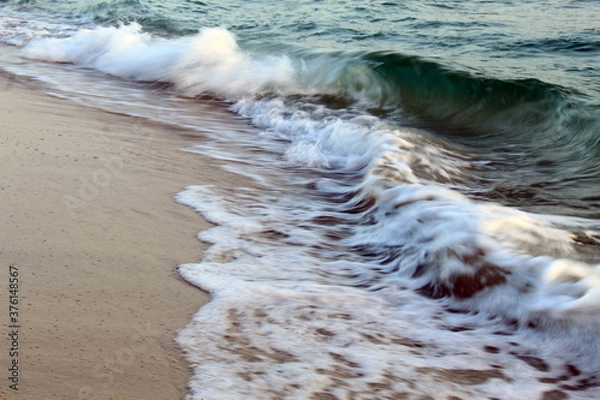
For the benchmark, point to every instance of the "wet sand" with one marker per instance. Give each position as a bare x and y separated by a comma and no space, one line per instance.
90,225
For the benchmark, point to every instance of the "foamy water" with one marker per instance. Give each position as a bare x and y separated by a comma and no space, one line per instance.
298,313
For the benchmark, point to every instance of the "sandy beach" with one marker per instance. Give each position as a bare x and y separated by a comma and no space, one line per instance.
90,227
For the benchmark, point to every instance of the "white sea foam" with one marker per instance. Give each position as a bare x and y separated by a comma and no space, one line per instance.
296,317
317,297
209,63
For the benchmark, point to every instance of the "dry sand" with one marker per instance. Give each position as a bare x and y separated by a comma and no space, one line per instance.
88,219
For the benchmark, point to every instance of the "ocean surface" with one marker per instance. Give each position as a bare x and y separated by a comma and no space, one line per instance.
423,220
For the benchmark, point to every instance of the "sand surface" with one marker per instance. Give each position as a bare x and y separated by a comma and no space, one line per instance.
89,222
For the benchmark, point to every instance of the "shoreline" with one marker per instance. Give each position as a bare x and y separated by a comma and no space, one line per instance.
95,234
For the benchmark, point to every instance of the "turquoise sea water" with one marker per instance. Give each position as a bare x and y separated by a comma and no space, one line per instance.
425,221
